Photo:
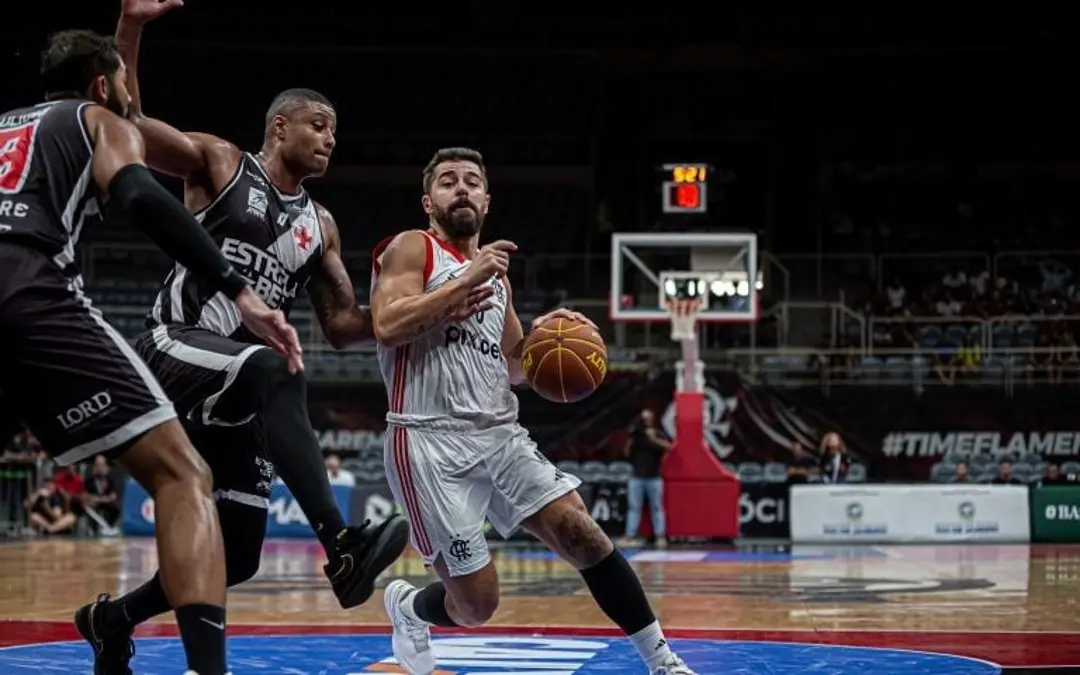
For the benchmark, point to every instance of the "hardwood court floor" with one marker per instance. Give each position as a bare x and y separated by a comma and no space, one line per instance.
1014,605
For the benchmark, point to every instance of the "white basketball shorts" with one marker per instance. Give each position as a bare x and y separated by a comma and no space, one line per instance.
448,482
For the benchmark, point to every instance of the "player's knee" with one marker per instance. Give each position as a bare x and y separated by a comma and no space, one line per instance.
165,456
266,374
477,608
196,472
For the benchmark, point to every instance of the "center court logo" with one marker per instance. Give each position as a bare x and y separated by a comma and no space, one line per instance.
487,655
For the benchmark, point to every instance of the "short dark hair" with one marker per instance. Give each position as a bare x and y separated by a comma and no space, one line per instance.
291,99
73,58
452,155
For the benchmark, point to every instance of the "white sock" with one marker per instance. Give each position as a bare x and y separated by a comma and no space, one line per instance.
408,606
651,645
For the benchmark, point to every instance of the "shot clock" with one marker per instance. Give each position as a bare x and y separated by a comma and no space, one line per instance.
683,188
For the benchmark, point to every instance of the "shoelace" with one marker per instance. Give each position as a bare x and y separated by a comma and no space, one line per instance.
418,633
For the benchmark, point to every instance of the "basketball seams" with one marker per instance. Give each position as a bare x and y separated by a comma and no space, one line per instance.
562,378
560,330
540,364
595,345
536,344
585,366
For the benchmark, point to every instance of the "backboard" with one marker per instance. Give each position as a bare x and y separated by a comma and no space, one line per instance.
651,267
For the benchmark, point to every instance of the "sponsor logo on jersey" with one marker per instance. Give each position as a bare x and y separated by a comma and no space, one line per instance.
270,280
471,339
85,411
257,202
9,208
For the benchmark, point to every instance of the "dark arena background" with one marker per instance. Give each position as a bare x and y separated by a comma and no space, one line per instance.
878,214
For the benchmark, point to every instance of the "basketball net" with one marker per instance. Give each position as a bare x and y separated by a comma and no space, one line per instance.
690,372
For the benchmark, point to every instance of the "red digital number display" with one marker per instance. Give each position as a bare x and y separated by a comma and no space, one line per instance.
686,196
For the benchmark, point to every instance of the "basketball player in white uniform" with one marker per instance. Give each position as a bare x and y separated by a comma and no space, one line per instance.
455,453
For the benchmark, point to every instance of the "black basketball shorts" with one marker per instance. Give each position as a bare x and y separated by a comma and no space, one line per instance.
200,372
65,372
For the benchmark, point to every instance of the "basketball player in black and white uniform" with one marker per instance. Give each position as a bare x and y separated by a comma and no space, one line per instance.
245,411
64,370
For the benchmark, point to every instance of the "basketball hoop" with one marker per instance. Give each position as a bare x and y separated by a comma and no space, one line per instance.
683,315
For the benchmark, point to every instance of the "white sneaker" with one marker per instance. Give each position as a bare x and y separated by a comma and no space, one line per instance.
412,639
673,666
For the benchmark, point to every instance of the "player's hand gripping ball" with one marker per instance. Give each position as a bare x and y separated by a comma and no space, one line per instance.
564,357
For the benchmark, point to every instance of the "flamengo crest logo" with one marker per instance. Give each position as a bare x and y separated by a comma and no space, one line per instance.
717,429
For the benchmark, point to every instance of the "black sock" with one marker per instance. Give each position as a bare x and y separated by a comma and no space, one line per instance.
202,630
618,592
429,605
142,604
298,459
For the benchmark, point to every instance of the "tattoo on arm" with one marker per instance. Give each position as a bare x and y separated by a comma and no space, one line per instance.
330,293
433,321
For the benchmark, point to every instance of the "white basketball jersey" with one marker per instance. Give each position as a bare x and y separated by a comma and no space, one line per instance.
454,375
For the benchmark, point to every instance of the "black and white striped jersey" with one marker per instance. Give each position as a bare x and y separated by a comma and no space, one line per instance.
47,191
273,239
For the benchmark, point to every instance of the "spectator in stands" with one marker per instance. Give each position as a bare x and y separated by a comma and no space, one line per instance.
71,487
646,449
1005,474
835,460
970,356
1055,274
946,362
1066,358
1053,476
979,282
954,279
101,494
896,294
48,510
24,445
948,305
336,474
962,472
803,465
1041,359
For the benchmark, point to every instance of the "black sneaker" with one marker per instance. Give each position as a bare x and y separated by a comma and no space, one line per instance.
112,651
360,555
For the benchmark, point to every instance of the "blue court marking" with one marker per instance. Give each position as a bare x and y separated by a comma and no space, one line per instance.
359,654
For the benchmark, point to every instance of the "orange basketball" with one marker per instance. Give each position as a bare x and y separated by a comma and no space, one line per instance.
565,360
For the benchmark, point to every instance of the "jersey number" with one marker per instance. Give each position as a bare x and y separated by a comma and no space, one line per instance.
16,151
